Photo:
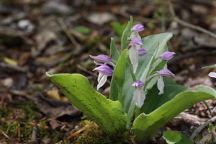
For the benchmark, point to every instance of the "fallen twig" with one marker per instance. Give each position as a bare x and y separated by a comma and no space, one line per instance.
186,24
6,67
18,131
66,31
201,127
78,132
188,118
34,134
4,134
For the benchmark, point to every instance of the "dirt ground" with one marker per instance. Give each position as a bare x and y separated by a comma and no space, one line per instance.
37,36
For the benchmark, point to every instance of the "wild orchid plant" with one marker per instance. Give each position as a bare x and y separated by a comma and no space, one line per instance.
143,97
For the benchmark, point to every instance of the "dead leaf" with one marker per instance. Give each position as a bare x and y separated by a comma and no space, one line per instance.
53,94
42,39
100,18
8,82
54,124
56,6
10,61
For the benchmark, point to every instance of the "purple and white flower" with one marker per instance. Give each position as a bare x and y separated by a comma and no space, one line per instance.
133,52
165,73
138,83
167,55
135,31
103,69
139,95
142,52
101,58
135,44
104,72
160,83
137,28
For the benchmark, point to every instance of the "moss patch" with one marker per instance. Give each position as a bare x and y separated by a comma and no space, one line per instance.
94,135
17,119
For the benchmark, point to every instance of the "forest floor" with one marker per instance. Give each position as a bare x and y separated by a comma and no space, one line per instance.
59,35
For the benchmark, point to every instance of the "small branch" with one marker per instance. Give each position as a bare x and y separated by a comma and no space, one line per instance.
66,31
186,24
34,134
78,132
18,131
4,134
201,127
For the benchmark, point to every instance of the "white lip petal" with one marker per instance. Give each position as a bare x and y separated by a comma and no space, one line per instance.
139,97
101,81
133,55
160,85
212,74
100,75
134,34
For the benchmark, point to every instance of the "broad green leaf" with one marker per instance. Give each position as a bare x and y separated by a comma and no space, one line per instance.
185,140
114,51
154,100
155,46
107,114
125,34
145,126
118,78
171,137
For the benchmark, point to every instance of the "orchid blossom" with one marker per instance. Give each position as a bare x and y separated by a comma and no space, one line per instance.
167,55
163,73
103,69
135,29
138,95
133,52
